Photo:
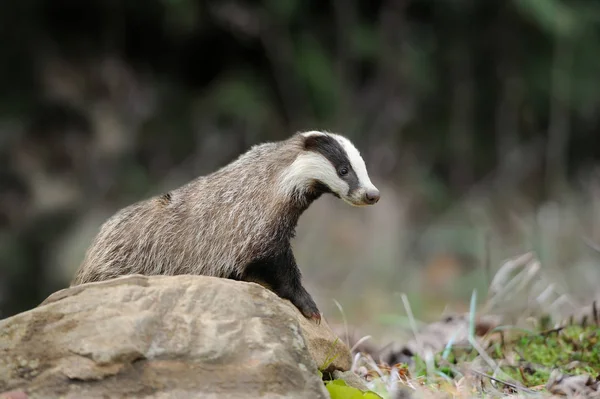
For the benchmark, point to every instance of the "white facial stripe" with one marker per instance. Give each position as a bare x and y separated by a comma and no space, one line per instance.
308,167
313,133
357,162
313,166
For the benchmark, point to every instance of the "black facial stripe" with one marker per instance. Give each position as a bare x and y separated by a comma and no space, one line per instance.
331,149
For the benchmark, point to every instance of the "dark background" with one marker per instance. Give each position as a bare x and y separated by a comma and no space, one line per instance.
478,121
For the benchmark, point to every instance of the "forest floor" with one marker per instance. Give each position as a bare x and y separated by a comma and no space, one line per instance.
536,351
556,362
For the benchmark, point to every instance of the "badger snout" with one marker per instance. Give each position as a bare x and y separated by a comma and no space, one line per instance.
371,196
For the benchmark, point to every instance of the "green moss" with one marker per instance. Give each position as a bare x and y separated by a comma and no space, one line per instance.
529,379
529,358
573,350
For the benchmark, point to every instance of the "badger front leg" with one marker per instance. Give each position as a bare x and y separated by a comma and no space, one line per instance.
281,275
289,286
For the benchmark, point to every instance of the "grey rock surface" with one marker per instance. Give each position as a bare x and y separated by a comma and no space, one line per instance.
166,337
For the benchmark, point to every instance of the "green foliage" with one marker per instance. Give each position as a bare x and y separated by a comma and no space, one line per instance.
283,9
315,68
329,358
338,389
574,350
365,43
241,97
181,15
528,359
552,15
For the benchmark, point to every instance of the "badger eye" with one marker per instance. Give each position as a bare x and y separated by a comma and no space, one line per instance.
343,171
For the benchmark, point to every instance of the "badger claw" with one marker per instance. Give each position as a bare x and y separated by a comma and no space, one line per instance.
307,307
316,317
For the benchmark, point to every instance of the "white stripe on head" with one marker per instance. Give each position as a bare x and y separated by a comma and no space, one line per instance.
356,160
307,168
312,166
314,133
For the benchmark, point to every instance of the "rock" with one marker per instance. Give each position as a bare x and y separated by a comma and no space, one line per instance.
573,386
13,395
327,349
351,379
166,337
360,343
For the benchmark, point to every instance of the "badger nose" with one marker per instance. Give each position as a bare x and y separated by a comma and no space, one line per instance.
372,196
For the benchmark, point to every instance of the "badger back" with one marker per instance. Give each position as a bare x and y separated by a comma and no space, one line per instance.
213,225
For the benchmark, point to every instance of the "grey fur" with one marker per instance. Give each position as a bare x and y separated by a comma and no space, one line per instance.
215,225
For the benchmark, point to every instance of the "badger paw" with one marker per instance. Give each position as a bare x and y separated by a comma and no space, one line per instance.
308,308
316,317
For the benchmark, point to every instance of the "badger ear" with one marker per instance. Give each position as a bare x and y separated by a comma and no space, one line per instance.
313,141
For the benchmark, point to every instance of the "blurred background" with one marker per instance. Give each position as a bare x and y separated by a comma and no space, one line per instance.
478,120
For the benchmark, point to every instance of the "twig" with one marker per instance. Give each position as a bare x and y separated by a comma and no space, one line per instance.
551,331
522,374
514,386
360,341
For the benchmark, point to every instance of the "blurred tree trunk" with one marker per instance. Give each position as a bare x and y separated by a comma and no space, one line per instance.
559,118
392,105
278,45
510,95
345,12
461,118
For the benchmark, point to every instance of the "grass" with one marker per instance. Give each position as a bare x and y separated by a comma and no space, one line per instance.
521,358
523,365
572,350
528,359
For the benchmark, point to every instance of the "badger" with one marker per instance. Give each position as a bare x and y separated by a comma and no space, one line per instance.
236,222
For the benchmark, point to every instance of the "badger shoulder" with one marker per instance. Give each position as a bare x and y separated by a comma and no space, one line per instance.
261,155
137,221
249,178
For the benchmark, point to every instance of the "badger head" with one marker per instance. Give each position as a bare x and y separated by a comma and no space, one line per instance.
330,163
